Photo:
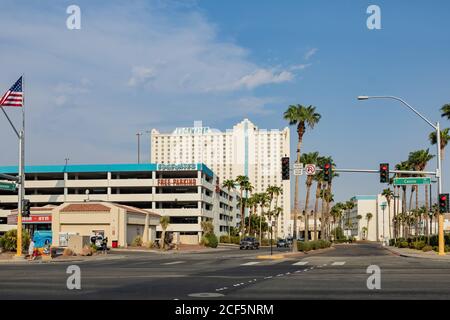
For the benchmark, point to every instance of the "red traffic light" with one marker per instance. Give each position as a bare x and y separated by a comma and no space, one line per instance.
443,198
383,168
327,166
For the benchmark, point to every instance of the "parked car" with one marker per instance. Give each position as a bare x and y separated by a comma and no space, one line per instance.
282,243
249,243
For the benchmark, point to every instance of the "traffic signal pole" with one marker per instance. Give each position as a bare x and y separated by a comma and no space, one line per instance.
438,173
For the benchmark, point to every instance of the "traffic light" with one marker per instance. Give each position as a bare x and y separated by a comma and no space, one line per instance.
327,171
384,172
26,208
285,168
443,203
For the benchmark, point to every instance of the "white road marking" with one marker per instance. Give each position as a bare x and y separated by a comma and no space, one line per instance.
301,263
173,262
251,263
338,263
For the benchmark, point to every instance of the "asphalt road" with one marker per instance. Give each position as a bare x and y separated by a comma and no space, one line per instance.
339,273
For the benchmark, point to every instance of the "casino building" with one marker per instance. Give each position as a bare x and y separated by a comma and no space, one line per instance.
187,193
243,150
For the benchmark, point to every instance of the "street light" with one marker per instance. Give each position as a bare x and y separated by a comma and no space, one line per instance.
383,206
139,134
438,144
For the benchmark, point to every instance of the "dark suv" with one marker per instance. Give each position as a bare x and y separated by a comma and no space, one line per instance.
249,243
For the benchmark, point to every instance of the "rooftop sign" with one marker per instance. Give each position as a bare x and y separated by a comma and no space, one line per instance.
176,167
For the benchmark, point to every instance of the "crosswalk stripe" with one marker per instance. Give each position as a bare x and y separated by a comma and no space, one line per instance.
174,262
338,263
251,263
300,263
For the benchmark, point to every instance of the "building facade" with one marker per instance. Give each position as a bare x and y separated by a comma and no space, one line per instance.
187,193
370,218
243,150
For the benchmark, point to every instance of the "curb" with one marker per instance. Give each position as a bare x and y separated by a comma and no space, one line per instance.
406,255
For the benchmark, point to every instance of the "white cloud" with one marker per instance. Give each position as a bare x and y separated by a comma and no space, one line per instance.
310,53
299,67
140,75
258,78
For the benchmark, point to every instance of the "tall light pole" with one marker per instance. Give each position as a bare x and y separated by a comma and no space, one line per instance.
139,134
439,162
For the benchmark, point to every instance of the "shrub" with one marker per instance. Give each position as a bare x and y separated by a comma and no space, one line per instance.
87,250
419,245
137,241
9,240
403,244
225,239
235,240
68,252
427,248
312,245
210,240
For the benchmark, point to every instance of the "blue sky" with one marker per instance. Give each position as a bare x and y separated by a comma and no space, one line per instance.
138,65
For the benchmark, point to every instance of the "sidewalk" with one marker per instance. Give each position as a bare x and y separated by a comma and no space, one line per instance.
61,259
411,253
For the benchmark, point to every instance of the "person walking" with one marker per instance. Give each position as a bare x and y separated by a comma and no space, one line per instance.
31,255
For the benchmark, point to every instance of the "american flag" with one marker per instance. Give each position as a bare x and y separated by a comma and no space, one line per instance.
14,96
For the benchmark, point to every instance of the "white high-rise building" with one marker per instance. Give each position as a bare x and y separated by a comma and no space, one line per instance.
243,150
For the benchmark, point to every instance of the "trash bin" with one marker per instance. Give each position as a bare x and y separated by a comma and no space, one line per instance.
114,243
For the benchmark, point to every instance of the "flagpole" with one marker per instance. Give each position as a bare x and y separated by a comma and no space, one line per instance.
21,175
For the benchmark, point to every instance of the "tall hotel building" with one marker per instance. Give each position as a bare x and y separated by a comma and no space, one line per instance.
243,150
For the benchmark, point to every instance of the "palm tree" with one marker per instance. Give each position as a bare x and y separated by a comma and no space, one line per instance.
229,184
349,205
308,158
404,165
251,203
388,194
303,117
263,200
242,182
446,111
365,232
445,138
329,198
318,177
277,212
164,222
419,159
368,217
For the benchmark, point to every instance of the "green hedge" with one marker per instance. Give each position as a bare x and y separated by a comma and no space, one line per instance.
9,240
227,239
413,242
210,240
312,245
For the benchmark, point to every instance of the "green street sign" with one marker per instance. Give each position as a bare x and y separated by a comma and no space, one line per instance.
8,186
410,181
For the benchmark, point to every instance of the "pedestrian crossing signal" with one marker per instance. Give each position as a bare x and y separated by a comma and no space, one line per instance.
285,168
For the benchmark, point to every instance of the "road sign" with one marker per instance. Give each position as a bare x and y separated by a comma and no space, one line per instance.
310,169
410,181
298,166
298,172
8,186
